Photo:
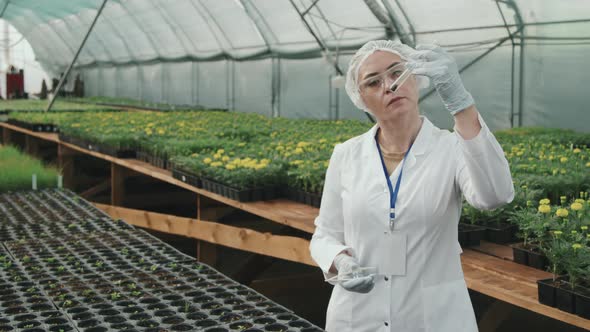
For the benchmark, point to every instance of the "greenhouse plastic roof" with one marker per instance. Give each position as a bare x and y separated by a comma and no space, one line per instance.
146,32
149,30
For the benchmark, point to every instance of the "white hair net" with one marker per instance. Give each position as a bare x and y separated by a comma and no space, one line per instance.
395,47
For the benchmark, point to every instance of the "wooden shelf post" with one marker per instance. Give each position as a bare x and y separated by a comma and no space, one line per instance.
65,160
118,174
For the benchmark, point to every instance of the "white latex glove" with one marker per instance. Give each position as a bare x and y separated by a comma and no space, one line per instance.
434,62
345,265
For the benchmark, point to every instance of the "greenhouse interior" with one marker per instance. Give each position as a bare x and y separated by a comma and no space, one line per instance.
234,165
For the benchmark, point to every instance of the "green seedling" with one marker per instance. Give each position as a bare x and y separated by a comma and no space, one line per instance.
115,296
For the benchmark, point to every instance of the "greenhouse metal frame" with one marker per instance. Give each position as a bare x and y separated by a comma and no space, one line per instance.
279,58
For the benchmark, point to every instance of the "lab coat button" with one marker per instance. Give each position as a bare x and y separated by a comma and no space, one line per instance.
386,323
386,279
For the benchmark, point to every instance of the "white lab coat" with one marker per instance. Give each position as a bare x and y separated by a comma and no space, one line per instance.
426,290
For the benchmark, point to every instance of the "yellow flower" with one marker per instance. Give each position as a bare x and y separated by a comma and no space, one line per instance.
302,144
216,163
297,162
220,151
194,155
298,151
584,228
545,201
241,144
576,206
230,167
207,160
588,164
576,246
557,233
579,200
260,166
563,160
216,156
561,213
519,153
545,209
576,150
225,158
574,232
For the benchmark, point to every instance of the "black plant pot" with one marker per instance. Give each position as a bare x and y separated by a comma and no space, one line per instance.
186,177
546,290
470,235
565,298
520,254
583,303
304,197
538,260
500,232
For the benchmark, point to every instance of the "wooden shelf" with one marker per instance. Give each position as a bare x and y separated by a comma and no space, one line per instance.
286,212
512,283
488,268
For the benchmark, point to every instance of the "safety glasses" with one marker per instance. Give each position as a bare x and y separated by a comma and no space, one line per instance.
392,78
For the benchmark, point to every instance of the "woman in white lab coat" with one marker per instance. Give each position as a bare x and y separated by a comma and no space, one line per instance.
410,233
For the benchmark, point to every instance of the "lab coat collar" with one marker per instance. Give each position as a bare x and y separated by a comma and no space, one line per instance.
421,145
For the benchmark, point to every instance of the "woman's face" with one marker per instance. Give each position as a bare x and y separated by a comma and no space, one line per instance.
375,76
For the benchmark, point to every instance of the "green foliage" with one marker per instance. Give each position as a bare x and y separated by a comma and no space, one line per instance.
16,170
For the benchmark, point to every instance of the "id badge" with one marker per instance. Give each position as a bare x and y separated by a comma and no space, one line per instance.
393,251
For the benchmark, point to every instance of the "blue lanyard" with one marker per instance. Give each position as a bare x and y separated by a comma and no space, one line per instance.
392,193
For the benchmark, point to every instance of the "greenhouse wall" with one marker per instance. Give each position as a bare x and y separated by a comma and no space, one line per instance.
271,57
554,93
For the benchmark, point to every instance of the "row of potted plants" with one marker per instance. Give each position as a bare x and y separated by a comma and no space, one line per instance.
545,159
297,149
541,168
127,102
556,238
